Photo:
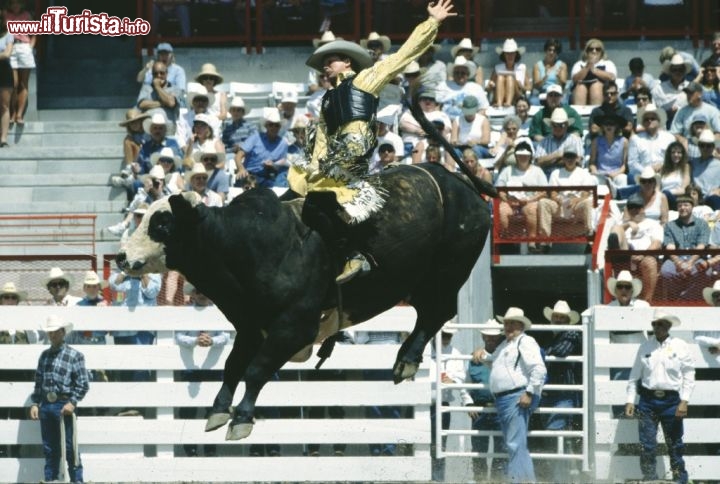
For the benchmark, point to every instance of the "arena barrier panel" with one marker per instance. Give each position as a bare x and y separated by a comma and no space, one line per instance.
76,231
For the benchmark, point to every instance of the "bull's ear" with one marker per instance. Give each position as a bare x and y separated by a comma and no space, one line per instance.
182,209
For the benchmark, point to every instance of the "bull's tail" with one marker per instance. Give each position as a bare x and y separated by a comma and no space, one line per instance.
480,185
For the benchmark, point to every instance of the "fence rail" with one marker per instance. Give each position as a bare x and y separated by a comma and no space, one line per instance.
77,231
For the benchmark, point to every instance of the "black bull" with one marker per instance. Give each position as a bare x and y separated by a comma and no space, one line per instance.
273,277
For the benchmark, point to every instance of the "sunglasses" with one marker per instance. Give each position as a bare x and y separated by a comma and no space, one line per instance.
649,119
706,145
594,49
209,159
647,180
677,69
612,93
12,297
642,99
386,150
167,160
660,323
623,286
57,284
272,125
461,73
206,78
558,125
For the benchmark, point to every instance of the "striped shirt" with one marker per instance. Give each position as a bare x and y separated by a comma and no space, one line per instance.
61,370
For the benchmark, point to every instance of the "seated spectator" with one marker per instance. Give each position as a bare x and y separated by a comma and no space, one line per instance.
637,232
638,79
611,106
669,94
540,129
523,173
551,149
590,73
93,286
413,135
157,126
504,149
386,157
700,210
432,71
410,84
153,188
470,158
648,148
675,173
312,105
136,216
522,111
209,78
203,138
667,54
197,180
471,128
198,99
175,75
705,170
714,58
465,48
654,201
378,46
171,166
10,295
296,151
263,154
387,118
214,163
550,70
510,78
58,285
685,232
161,96
709,79
134,138
625,290
608,153
567,204
694,110
698,124
235,131
289,113
452,93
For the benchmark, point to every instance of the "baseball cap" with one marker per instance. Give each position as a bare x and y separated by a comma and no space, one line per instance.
635,201
164,46
693,87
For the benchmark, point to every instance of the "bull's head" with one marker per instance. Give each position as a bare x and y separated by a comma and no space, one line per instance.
146,249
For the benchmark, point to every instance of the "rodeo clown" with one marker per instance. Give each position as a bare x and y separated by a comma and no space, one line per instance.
336,174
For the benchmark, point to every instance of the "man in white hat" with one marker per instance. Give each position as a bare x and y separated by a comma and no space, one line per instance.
647,148
58,285
549,151
346,130
264,153
61,381
198,181
236,129
377,45
161,96
157,127
11,296
92,286
705,169
695,106
387,118
452,92
289,113
669,94
625,290
517,388
664,377
214,163
199,100
539,128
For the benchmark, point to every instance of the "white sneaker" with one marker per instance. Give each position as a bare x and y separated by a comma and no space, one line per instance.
117,229
121,181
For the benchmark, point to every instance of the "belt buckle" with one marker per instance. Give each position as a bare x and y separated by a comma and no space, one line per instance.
659,393
51,397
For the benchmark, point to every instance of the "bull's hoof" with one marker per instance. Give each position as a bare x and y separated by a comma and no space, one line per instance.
403,371
238,431
216,420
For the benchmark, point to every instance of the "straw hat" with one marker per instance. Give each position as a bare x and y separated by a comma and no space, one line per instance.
375,37
653,109
157,173
510,46
133,115
360,57
209,70
195,89
55,274
92,279
237,102
624,276
464,44
326,38
197,169
461,61
494,329
559,116
54,323
157,119
660,315
210,150
446,329
648,173
412,68
706,136
676,60
708,292
271,115
166,152
515,314
562,307
9,288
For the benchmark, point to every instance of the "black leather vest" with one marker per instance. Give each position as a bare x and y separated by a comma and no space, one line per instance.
347,103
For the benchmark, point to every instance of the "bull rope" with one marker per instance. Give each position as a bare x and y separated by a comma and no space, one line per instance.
434,182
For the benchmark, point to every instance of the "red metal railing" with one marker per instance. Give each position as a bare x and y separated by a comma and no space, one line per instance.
48,230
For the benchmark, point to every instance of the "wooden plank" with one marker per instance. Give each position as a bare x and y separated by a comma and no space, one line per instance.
621,355
612,318
625,431
613,392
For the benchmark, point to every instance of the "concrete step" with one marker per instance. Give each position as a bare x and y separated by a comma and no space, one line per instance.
107,166
62,195
63,139
71,151
12,206
85,115
66,180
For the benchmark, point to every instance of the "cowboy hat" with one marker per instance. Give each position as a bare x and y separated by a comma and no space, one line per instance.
210,150
624,276
412,68
237,102
461,61
559,116
446,329
133,115
706,136
54,323
524,146
562,307
707,292
493,328
158,118
375,37
166,152
360,57
300,122
156,172
653,109
9,288
676,60
92,279
197,169
209,70
164,47
648,173
515,314
55,274
464,44
510,46
290,96
271,115
195,89
326,38
660,315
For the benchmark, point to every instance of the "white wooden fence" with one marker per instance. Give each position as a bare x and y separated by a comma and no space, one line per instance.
112,447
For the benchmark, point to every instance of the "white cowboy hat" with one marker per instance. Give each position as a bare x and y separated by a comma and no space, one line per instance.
648,173
157,118
210,150
562,307
271,115
388,114
237,102
554,88
54,323
653,109
527,149
660,315
209,70
676,60
133,115
375,37
289,97
412,68
301,122
360,57
464,44
157,173
57,273
510,46
92,279
624,276
166,152
494,329
9,288
706,136
461,61
559,116
197,169
326,38
446,329
515,314
708,292
195,89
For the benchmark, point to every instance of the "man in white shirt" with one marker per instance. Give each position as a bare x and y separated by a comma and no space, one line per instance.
664,377
517,376
647,148
550,149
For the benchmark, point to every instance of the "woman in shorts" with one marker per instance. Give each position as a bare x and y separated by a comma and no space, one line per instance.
22,60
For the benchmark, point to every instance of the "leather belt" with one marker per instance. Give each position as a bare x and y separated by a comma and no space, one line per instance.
508,392
52,397
658,393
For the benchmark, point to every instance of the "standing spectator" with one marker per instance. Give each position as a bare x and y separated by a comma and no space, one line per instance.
6,81
510,78
550,70
92,286
638,79
492,336
175,75
648,148
235,131
161,96
471,128
669,94
611,106
695,107
675,173
21,60
58,285
198,182
664,376
705,170
590,73
667,54
61,381
551,149
452,93
609,152
540,129
517,376
209,78
214,163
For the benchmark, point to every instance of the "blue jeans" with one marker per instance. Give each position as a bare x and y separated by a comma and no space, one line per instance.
650,412
514,424
50,432
559,421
